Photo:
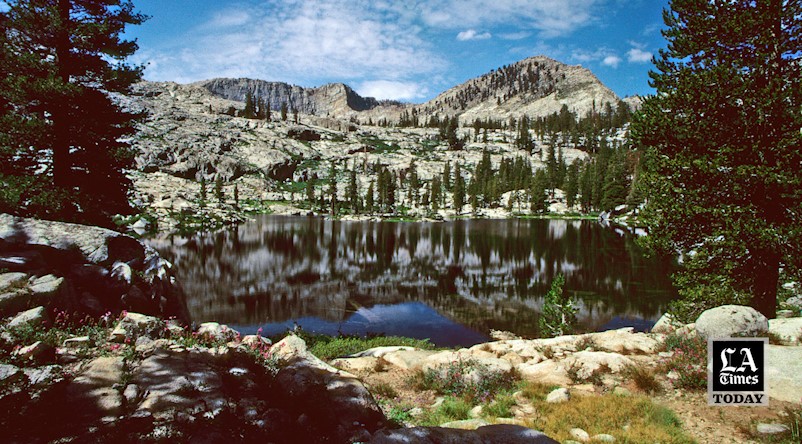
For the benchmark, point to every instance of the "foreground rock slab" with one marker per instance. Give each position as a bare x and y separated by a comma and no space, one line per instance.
500,433
783,370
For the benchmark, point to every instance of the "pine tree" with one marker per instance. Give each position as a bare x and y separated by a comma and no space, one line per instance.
260,108
333,189
352,192
551,167
447,176
586,187
538,198
413,185
250,106
63,139
283,111
369,198
218,189
559,311
453,140
572,184
616,182
310,193
562,169
722,148
459,190
391,189
437,193
203,192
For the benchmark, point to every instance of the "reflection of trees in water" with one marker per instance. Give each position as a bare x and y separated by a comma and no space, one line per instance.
482,273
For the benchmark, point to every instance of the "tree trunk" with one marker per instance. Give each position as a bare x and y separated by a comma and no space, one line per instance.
61,125
767,277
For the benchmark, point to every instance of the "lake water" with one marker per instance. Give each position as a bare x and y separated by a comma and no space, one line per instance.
450,282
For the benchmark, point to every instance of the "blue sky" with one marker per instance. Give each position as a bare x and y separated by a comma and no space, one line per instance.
405,50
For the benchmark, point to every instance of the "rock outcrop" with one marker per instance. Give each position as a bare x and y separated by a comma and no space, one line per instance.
730,321
78,268
333,99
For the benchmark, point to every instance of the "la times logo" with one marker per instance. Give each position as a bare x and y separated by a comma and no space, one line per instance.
736,371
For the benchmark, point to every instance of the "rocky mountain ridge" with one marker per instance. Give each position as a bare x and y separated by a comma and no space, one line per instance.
536,87
333,99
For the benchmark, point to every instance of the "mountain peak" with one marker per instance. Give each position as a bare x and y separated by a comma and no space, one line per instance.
536,86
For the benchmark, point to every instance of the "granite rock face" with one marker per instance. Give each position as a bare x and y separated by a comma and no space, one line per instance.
731,321
79,268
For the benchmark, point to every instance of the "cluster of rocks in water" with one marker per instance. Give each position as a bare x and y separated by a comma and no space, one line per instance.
146,378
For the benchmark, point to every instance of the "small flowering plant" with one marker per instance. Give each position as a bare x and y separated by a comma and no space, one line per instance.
468,379
688,360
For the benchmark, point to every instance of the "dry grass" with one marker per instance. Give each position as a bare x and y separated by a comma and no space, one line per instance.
631,419
384,390
643,378
587,343
381,365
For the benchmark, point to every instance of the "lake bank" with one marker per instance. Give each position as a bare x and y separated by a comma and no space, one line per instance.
144,378
139,376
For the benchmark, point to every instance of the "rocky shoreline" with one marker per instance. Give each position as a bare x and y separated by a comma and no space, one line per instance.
96,346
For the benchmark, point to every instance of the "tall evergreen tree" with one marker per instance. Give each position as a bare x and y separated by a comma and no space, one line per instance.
616,182
723,147
250,106
370,198
333,189
218,189
572,184
538,198
447,176
413,185
459,190
352,192
63,148
551,166
437,193
310,193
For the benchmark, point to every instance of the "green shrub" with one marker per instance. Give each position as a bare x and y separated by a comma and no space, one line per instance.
501,407
559,311
329,347
688,361
451,409
467,379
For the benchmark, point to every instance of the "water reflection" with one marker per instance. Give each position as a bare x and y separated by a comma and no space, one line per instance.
471,275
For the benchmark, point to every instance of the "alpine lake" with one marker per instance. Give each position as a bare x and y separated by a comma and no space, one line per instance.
451,282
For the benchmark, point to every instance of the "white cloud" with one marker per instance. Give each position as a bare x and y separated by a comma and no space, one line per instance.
515,35
229,18
551,18
392,90
603,55
611,60
638,55
306,41
472,34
